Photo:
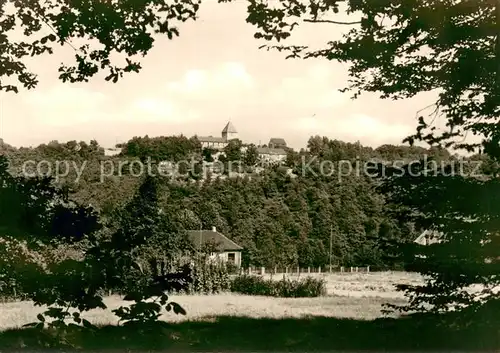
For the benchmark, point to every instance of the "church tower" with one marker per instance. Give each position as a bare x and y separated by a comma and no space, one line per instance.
229,132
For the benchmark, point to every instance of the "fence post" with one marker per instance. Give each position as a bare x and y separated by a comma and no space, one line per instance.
275,269
368,269
319,269
309,270
356,269
341,268
298,270
351,268
262,270
286,270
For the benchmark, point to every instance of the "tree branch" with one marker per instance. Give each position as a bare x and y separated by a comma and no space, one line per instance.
331,21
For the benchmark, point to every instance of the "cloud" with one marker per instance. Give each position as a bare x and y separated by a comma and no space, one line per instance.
193,81
205,90
315,90
365,127
159,110
63,105
309,124
227,78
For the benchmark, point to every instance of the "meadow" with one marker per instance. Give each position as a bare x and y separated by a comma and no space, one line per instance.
350,295
348,318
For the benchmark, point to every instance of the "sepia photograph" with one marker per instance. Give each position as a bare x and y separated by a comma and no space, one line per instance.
250,175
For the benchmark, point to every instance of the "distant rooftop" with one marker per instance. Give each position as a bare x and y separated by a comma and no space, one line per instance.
229,128
277,141
213,237
210,139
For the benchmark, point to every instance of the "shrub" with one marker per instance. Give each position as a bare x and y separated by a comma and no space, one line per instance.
300,288
209,278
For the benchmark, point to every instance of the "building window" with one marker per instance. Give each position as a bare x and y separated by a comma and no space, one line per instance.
231,257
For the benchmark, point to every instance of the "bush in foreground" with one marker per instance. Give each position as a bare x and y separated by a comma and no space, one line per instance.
298,288
209,278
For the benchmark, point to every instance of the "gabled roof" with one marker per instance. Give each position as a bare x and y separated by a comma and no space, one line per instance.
213,237
277,141
210,139
229,128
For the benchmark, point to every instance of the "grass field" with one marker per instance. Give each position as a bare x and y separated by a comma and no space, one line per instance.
372,284
349,318
357,296
201,307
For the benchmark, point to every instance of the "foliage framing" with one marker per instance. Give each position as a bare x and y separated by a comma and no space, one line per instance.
402,48
462,269
116,27
396,48
35,218
399,49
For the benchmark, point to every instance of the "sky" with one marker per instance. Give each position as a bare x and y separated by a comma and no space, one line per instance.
194,84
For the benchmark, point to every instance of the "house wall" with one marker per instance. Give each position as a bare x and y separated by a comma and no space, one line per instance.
224,257
215,145
112,151
237,257
272,157
229,135
277,145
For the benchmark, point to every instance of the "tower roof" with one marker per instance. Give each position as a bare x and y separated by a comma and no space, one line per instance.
229,129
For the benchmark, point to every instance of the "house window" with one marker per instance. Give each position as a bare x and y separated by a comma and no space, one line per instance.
231,257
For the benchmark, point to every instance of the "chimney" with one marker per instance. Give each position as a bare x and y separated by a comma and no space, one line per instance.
214,229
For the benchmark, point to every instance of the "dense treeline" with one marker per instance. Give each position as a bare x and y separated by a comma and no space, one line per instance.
280,219
170,148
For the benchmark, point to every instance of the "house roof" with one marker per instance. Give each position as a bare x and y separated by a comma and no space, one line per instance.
211,237
210,139
277,141
112,151
229,128
429,237
275,151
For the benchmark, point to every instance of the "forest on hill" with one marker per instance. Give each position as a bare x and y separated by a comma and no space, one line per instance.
280,220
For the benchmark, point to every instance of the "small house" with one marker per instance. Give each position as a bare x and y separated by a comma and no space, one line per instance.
429,237
271,155
223,248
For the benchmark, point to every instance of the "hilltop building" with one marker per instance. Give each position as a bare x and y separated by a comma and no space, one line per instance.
277,142
228,133
271,155
112,151
274,152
